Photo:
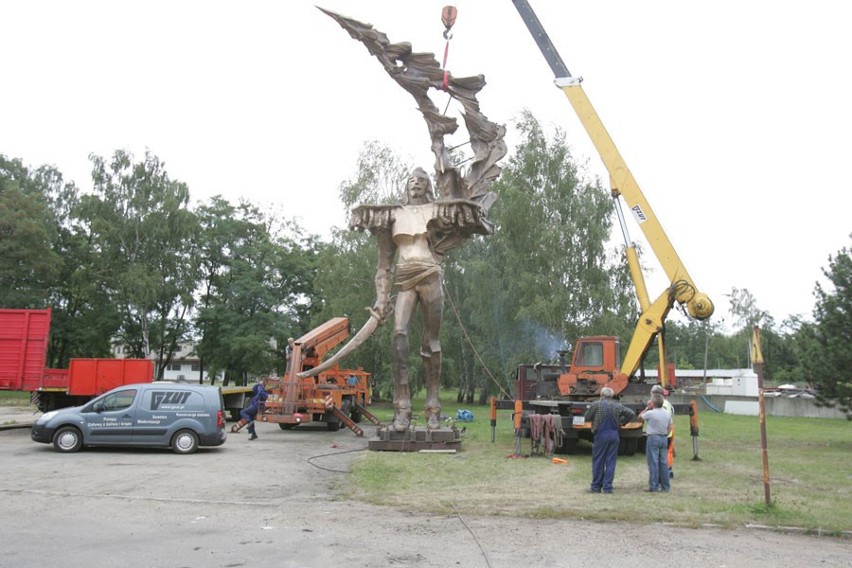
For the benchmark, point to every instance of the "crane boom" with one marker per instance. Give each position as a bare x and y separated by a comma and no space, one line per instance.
682,288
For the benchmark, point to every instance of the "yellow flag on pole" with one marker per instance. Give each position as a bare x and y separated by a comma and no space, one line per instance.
756,352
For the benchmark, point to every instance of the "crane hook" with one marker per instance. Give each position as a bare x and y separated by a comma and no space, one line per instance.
448,18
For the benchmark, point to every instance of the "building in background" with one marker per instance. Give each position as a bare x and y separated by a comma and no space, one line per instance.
184,366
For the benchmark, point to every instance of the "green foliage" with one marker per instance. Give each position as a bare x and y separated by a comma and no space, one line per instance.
745,311
46,262
379,179
257,288
545,276
138,221
28,264
826,344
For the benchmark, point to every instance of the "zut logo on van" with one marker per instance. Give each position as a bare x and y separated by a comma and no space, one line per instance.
169,399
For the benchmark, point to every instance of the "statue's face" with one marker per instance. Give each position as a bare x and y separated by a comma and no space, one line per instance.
417,189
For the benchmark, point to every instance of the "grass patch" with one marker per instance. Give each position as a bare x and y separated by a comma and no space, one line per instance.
810,461
15,398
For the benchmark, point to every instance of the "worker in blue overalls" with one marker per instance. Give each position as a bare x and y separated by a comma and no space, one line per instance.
249,414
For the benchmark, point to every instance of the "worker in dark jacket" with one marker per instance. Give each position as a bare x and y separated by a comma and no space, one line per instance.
249,414
606,416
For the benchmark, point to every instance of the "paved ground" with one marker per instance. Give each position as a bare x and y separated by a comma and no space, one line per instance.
275,502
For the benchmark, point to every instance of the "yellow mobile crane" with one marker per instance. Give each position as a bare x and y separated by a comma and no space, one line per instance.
567,389
682,288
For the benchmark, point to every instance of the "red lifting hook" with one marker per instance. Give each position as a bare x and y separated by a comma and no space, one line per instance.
448,17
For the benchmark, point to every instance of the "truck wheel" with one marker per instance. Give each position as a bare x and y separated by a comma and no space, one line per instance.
67,439
185,442
286,426
355,415
333,425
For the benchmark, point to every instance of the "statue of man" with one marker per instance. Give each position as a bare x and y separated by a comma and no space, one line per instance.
418,281
422,229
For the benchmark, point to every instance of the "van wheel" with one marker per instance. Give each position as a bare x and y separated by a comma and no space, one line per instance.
67,439
185,442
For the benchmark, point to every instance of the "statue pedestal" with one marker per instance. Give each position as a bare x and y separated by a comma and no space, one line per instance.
415,439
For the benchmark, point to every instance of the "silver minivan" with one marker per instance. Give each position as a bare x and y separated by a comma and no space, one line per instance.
159,414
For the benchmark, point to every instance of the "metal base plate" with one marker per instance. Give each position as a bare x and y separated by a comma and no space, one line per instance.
415,439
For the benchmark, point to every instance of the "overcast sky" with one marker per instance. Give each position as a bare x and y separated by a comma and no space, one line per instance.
734,117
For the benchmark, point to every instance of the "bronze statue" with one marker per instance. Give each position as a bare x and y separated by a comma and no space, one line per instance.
422,229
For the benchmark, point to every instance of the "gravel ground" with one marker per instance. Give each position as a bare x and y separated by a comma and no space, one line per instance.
275,501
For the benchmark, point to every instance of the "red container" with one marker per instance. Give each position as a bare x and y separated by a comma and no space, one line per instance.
23,348
53,379
91,377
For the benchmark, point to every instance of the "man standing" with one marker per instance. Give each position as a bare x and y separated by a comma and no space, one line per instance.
659,421
658,389
606,416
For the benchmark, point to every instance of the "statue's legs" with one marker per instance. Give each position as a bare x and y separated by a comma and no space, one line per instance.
432,367
432,306
405,302
401,392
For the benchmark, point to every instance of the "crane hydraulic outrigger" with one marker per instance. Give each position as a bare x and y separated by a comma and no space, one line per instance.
596,360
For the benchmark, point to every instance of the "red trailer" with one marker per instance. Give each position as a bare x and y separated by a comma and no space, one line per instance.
23,348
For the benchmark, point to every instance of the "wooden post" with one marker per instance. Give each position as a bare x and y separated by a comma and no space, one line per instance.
757,361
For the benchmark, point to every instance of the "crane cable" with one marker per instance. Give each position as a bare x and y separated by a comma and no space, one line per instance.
448,18
472,346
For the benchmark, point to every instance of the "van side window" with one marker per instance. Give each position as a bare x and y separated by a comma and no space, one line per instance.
119,400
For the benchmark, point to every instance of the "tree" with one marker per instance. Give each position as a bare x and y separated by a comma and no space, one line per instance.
256,288
826,344
46,262
28,264
545,276
138,221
